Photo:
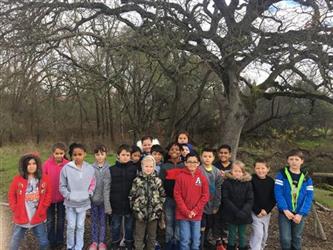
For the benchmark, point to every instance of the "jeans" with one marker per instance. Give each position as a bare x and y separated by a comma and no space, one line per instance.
189,234
75,228
116,222
56,223
39,231
172,226
233,230
290,233
98,223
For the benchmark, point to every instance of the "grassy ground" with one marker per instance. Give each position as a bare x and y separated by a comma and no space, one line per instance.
10,155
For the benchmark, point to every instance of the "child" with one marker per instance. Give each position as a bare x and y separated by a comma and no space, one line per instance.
147,197
100,201
157,152
56,212
185,150
169,171
29,197
136,156
264,201
237,202
214,178
191,194
122,176
294,194
77,183
224,163
147,143
183,137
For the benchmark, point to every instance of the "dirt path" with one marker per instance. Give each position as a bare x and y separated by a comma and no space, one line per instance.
309,241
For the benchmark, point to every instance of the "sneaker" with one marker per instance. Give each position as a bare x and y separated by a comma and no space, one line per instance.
102,246
93,246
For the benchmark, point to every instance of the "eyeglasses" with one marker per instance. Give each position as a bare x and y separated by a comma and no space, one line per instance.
192,162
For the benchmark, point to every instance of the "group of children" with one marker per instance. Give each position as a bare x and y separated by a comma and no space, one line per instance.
193,200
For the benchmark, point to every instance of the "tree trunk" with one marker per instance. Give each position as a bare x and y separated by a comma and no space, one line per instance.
233,114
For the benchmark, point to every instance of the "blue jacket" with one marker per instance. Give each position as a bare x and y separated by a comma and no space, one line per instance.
283,197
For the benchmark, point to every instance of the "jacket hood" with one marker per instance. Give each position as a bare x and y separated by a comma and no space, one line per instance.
246,177
72,164
24,161
186,171
143,175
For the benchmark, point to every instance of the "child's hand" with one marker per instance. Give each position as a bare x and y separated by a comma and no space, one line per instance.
191,214
215,210
222,173
297,218
288,214
109,212
263,212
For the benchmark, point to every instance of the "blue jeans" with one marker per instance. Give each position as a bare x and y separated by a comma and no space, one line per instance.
75,228
116,223
172,226
98,223
39,231
189,234
56,223
290,233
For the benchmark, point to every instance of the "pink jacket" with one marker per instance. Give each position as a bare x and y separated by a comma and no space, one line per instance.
52,169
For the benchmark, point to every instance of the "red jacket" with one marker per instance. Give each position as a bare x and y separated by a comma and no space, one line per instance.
191,193
16,198
52,169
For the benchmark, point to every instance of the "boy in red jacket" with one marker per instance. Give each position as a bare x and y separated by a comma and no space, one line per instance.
191,194
29,197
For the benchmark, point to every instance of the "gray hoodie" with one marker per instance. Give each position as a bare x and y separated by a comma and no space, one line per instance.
103,183
77,185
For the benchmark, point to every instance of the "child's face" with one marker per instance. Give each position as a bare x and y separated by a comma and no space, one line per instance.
261,170
148,167
174,152
192,163
182,139
100,157
207,158
146,145
224,155
295,161
157,156
32,166
124,156
58,155
78,155
136,156
237,172
185,151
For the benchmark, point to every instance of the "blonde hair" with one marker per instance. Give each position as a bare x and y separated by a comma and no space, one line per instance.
239,164
148,158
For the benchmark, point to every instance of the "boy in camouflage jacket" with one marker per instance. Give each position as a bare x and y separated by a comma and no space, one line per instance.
147,197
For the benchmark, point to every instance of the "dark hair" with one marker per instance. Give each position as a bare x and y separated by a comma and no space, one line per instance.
75,145
260,160
122,147
183,132
135,149
225,146
173,144
210,150
157,148
147,137
100,148
59,145
295,152
192,154
23,165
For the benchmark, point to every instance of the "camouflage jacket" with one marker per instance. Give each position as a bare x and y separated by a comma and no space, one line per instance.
147,197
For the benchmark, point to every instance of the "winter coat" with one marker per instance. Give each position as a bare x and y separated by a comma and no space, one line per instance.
168,173
191,193
53,169
122,176
16,198
237,200
102,190
147,197
282,190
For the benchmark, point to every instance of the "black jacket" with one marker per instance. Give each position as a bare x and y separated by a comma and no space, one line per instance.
237,200
122,176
